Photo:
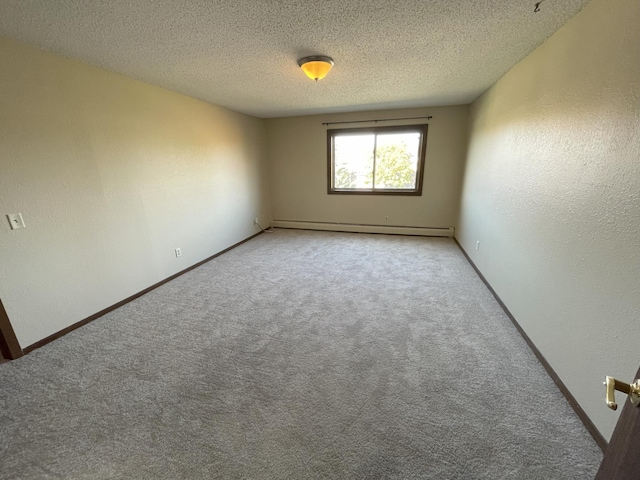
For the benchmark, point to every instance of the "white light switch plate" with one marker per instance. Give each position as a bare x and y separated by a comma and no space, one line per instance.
16,221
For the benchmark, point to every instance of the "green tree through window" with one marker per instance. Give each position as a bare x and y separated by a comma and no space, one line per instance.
394,168
381,160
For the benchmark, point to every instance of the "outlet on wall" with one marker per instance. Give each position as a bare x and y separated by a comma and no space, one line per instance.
477,244
178,252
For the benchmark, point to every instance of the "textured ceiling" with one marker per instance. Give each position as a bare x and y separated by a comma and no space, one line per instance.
242,54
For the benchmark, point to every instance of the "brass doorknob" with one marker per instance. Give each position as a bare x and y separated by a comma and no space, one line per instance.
633,390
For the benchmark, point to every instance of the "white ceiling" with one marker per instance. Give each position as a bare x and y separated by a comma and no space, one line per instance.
242,54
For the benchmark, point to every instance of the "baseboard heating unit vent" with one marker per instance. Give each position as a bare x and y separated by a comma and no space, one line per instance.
348,227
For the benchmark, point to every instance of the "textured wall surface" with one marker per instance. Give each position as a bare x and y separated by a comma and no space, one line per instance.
552,192
243,54
298,169
111,175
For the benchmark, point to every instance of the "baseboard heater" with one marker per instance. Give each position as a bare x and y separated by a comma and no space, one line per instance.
350,227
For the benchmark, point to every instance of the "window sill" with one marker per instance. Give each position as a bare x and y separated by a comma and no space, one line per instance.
406,193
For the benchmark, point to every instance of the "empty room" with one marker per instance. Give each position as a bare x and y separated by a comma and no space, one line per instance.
299,240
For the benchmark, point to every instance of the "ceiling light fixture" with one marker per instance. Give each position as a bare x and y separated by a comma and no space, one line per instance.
316,67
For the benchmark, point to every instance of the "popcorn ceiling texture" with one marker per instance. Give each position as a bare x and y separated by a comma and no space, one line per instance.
242,54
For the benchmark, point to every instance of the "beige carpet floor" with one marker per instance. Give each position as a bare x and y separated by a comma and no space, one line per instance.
298,355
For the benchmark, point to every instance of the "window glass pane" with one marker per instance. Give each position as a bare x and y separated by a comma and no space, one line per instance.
397,160
353,161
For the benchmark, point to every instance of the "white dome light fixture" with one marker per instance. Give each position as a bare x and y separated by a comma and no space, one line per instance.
316,67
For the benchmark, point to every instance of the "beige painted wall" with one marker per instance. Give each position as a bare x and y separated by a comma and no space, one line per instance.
552,192
297,149
111,175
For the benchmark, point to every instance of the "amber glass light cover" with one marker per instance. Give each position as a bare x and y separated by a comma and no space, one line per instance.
316,67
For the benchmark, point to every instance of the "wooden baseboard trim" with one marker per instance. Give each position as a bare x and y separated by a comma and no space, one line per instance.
9,345
79,324
590,426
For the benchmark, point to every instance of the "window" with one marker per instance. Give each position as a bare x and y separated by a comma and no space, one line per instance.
377,161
